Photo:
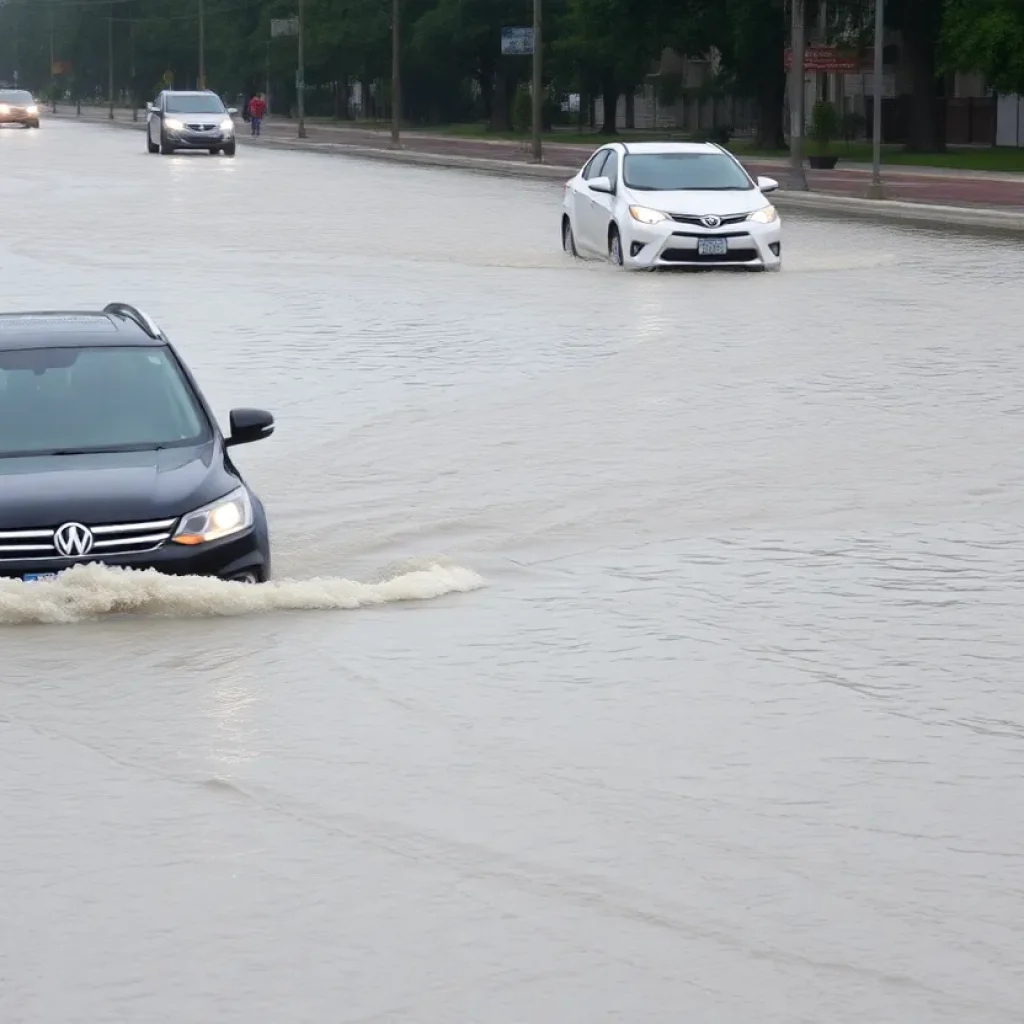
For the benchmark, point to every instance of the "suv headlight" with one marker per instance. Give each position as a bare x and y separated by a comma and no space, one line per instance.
32,109
221,518
647,216
227,125
766,215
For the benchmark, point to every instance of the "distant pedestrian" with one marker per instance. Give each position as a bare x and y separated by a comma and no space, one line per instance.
257,108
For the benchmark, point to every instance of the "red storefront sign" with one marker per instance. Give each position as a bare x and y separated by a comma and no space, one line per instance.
826,58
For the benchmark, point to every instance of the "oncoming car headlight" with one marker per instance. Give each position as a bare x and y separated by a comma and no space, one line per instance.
4,108
32,109
766,215
227,125
221,518
174,124
647,216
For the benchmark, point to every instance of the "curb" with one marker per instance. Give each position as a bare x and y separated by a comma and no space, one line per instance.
984,221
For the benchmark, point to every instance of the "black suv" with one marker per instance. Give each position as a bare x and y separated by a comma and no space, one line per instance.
190,120
110,453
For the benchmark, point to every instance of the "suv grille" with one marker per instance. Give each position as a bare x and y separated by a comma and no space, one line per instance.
119,539
686,219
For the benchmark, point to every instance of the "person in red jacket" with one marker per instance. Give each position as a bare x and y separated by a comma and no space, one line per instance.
257,108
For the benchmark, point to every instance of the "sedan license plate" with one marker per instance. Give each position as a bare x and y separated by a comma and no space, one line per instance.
32,577
712,246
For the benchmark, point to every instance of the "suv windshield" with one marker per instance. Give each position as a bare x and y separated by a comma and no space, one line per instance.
95,400
18,97
194,105
678,172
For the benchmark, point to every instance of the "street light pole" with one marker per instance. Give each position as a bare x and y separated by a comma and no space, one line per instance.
131,71
301,77
202,46
538,81
396,74
53,80
876,191
797,177
110,63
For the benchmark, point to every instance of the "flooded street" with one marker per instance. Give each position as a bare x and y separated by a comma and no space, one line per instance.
733,730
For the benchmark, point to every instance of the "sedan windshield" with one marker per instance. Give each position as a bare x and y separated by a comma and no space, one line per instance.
681,172
18,97
194,105
77,400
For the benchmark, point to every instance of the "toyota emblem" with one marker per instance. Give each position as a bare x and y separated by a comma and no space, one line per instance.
711,221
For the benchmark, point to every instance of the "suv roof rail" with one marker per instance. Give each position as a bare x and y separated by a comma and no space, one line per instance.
135,315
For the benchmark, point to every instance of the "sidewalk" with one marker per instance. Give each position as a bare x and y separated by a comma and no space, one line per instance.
971,190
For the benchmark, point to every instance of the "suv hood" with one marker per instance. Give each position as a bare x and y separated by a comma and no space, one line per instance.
118,487
725,203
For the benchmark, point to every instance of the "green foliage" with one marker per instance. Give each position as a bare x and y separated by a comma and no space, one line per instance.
522,110
986,36
825,124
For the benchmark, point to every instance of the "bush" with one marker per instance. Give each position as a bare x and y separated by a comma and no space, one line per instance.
825,124
522,110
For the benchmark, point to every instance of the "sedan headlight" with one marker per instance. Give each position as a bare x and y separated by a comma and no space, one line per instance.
227,125
222,518
766,215
647,216
32,109
174,124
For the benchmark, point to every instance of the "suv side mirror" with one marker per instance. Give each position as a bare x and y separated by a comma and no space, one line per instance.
249,425
151,107
232,110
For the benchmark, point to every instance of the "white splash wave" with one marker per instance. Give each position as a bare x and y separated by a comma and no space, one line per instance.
92,591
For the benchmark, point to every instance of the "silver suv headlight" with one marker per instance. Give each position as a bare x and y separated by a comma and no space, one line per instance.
221,518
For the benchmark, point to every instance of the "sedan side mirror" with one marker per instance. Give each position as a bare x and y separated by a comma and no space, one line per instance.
249,425
767,184
232,110
151,108
600,185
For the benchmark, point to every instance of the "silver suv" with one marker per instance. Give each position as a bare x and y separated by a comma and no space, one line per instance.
190,120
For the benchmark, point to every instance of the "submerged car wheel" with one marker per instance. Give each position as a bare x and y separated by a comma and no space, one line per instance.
229,149
615,246
568,239
166,148
151,146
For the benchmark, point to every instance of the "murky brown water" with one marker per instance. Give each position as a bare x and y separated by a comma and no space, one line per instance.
735,729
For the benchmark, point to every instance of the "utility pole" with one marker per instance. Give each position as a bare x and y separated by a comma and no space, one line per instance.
267,91
300,78
538,82
202,46
396,74
797,177
131,46
53,80
110,62
876,191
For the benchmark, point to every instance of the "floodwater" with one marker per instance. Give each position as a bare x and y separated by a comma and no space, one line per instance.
732,730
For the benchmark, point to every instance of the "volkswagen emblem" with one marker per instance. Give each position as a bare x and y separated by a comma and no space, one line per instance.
711,220
73,540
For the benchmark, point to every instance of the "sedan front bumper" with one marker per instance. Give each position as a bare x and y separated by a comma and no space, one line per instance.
187,139
742,243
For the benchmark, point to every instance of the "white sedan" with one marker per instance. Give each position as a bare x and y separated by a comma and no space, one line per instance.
675,204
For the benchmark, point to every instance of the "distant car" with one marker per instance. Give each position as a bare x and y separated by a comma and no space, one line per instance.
190,120
18,107
109,453
646,205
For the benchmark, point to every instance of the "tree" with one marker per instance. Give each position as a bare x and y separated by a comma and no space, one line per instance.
986,36
750,37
